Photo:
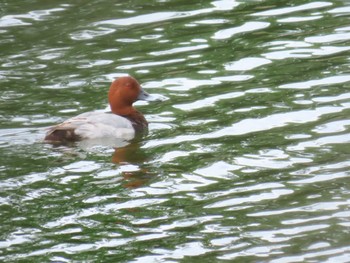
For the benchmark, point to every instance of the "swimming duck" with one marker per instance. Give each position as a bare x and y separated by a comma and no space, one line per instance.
123,122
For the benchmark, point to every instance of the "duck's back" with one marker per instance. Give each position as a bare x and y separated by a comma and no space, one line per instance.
91,125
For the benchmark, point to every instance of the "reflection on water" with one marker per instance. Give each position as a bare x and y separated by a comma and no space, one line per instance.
246,160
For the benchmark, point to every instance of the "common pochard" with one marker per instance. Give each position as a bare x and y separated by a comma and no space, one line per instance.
123,122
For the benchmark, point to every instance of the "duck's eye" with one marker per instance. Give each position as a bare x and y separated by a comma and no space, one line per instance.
130,86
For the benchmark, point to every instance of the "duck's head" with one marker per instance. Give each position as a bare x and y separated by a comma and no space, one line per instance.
123,92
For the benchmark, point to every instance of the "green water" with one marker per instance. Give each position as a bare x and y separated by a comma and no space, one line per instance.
247,159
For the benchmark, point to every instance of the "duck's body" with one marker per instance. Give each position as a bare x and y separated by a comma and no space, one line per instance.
123,122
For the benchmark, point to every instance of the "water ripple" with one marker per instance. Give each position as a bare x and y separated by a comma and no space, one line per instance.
256,125
246,27
288,10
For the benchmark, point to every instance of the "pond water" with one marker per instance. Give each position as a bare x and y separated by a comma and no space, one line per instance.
247,159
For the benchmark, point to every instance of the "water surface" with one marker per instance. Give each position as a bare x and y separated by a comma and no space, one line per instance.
246,161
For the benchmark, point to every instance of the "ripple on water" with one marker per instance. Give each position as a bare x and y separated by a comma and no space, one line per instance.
297,8
20,19
246,27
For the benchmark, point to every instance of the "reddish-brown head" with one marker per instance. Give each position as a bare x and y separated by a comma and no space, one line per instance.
122,94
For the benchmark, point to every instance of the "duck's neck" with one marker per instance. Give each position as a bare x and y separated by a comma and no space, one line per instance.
123,111
138,121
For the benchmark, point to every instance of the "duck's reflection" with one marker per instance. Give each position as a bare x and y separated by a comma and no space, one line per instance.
133,157
130,158
129,154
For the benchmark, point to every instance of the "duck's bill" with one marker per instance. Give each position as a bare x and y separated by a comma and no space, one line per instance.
149,97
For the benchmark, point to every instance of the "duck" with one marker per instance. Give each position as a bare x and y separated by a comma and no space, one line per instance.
123,121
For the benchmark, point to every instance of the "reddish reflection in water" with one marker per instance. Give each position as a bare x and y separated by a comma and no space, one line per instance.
129,154
132,154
